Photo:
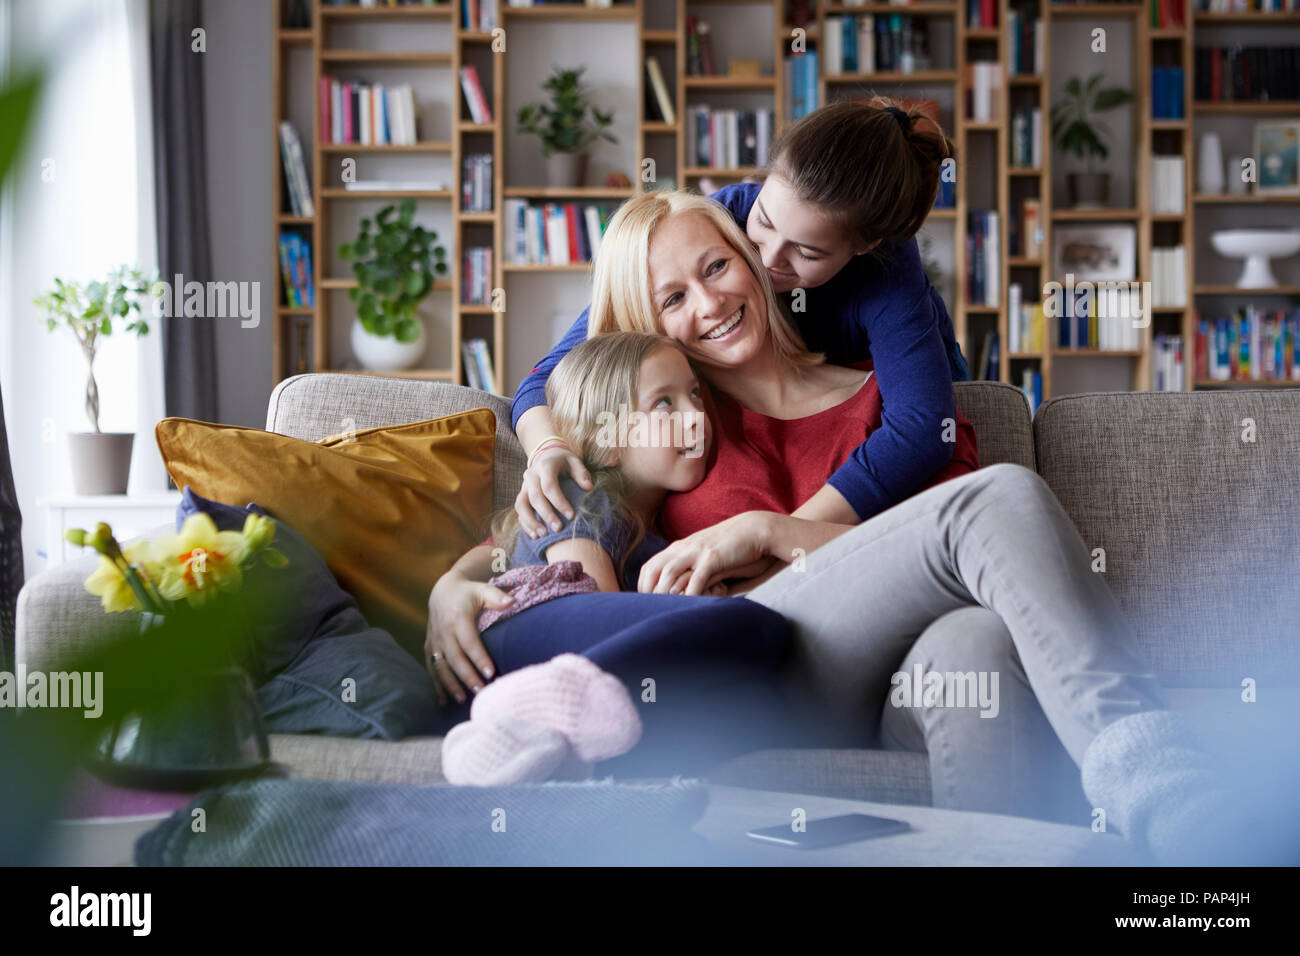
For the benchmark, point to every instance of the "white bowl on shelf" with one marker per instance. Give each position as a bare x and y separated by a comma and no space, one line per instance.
1257,247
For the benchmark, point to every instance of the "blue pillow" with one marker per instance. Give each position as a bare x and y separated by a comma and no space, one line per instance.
305,636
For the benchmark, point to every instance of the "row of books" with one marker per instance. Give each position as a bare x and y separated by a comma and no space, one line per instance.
1167,370
659,103
986,366
478,365
480,14
476,183
1247,6
1168,184
1252,73
1024,322
1167,14
727,138
1027,42
1025,229
801,84
1167,92
1252,344
877,44
476,276
297,184
1101,316
946,197
554,233
1027,138
1031,383
981,14
699,48
366,113
1169,276
982,259
984,90
295,270
480,111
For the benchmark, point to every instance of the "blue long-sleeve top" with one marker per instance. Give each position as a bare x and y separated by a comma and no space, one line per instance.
881,306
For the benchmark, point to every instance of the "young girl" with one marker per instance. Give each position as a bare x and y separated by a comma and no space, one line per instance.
630,405
847,188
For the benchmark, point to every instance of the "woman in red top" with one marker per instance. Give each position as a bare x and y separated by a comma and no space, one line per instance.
983,575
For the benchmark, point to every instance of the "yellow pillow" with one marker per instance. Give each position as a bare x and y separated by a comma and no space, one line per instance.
389,509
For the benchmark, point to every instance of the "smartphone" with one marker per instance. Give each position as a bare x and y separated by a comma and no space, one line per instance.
831,831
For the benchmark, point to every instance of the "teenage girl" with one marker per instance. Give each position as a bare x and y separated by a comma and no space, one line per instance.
835,220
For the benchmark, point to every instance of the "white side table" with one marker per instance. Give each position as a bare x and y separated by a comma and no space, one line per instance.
129,516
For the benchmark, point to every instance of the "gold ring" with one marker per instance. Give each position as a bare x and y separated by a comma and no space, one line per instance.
437,656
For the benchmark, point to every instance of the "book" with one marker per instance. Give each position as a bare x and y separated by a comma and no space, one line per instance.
295,172
479,109
660,89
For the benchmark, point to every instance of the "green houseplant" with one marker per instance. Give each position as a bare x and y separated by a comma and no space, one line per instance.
564,128
101,461
1079,133
395,260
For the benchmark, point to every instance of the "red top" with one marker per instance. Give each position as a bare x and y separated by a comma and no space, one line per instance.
770,464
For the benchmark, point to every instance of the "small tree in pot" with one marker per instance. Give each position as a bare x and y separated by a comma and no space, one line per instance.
563,126
101,461
395,268
1079,133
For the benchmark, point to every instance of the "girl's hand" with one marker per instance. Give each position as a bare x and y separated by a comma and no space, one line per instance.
541,494
730,548
452,632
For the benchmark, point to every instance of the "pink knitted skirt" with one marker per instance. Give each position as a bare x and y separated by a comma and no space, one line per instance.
535,583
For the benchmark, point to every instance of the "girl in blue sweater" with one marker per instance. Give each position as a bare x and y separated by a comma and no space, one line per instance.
835,221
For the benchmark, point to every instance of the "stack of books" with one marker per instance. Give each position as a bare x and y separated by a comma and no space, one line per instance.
1247,6
982,260
367,113
727,138
481,15
476,277
801,84
1168,184
1107,318
1027,138
476,183
295,172
1251,344
1249,73
981,14
478,365
1025,230
1167,92
554,233
480,110
1169,276
1024,322
295,270
1031,383
983,88
877,44
1167,371
1026,35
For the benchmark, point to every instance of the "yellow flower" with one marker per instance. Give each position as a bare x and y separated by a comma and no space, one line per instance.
109,585
199,562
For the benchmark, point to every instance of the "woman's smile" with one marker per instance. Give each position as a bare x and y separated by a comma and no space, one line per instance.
726,328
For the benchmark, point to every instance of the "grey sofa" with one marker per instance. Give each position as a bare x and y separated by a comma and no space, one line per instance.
1198,524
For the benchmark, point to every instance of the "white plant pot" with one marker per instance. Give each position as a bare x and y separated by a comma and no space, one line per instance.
1209,166
383,353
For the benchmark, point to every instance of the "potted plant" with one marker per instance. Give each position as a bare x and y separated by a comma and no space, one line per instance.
1078,132
394,260
564,128
101,461
216,734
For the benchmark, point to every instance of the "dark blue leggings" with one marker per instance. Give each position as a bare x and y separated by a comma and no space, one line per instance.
717,665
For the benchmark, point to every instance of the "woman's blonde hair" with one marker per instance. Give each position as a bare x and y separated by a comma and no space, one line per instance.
621,297
594,378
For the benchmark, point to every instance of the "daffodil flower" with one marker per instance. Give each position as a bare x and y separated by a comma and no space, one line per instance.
199,561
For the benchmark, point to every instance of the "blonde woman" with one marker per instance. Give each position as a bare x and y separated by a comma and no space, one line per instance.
985,568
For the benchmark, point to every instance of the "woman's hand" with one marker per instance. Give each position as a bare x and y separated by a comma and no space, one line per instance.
541,494
461,661
730,548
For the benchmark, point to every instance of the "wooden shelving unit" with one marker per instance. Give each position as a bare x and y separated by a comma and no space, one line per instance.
660,30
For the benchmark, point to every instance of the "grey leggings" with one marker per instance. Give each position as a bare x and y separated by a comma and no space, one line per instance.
982,574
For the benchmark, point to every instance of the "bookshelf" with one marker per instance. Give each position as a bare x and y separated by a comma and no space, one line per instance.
987,179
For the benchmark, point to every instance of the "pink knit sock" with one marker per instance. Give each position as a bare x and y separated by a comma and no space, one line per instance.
571,695
489,753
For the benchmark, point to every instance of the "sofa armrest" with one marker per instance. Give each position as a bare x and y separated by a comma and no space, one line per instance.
57,616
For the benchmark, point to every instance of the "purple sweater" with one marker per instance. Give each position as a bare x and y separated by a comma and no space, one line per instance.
881,306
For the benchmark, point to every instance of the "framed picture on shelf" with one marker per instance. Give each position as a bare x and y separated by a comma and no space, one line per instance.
1102,253
1277,154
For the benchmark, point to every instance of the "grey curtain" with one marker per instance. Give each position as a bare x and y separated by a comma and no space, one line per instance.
180,176
11,546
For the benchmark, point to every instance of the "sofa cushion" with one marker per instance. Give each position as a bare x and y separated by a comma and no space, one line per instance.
388,508
885,776
325,403
1197,521
1000,415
